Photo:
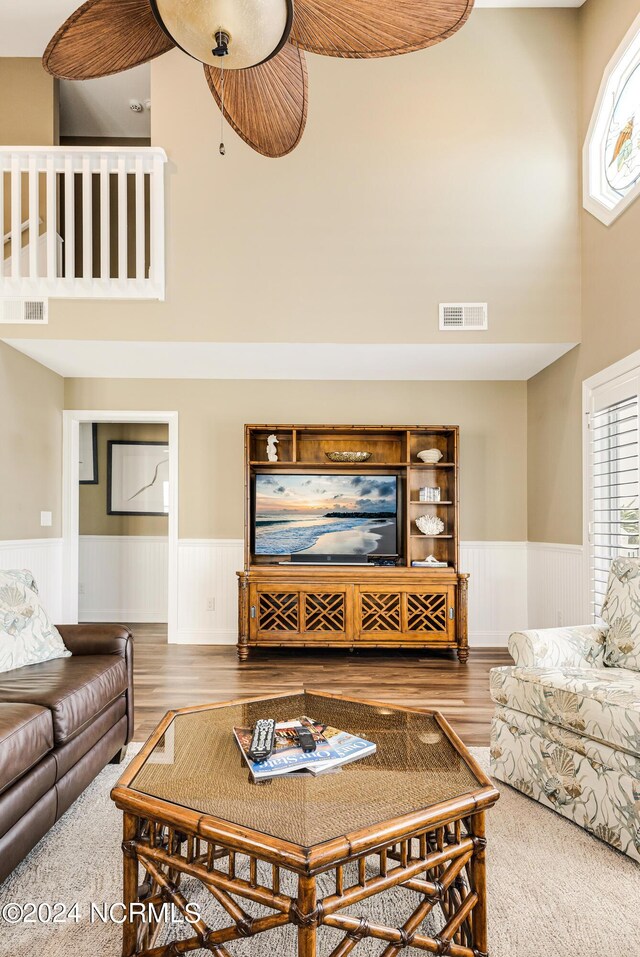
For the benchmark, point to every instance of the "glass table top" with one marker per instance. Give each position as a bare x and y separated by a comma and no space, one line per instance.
197,764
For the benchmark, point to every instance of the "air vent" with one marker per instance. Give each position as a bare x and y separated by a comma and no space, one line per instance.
463,315
24,311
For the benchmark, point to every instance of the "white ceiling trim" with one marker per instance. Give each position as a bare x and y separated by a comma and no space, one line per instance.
74,358
28,25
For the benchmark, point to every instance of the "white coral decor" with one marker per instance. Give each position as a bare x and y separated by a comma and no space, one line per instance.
430,525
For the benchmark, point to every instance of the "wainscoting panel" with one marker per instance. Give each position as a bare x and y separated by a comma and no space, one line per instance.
557,586
498,598
207,590
513,585
207,571
123,578
43,557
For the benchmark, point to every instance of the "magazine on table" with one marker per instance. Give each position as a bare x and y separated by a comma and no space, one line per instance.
333,749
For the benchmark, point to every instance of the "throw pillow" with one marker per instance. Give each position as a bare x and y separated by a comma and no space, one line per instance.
26,634
621,611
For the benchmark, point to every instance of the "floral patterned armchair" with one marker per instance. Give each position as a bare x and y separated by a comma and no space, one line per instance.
566,729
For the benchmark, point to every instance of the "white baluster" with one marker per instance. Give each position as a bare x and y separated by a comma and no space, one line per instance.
87,219
105,216
34,217
122,220
69,218
140,219
2,216
156,272
52,226
16,216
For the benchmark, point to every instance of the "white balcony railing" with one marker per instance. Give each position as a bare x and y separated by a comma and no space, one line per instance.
82,222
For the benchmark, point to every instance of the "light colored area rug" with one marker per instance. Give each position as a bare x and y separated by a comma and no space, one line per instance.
554,891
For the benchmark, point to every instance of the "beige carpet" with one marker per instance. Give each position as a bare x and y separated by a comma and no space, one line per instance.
554,891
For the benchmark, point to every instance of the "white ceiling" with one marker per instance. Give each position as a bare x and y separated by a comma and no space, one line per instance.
289,360
28,25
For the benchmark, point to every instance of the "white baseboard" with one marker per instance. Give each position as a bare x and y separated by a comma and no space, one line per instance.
214,636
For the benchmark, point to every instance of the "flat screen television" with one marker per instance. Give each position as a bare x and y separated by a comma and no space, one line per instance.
325,514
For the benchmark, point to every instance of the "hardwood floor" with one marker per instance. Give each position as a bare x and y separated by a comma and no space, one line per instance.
175,676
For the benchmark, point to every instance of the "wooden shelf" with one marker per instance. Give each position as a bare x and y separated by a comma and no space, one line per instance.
415,501
358,606
332,465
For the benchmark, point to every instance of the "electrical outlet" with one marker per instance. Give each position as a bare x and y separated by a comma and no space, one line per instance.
45,519
559,619
81,588
211,604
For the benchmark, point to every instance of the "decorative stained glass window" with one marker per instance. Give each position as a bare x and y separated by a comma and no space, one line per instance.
612,149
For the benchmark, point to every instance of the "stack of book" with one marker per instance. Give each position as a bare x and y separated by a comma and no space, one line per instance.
333,749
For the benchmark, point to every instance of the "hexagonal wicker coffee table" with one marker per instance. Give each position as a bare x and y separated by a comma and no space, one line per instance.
305,848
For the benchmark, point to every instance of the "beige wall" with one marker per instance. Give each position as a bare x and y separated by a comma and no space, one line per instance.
31,403
28,103
94,519
31,397
445,175
491,415
611,328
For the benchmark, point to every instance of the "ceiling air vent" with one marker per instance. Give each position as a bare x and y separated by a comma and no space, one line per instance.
24,311
467,316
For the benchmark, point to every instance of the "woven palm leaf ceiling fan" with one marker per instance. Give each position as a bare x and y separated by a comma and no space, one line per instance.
252,50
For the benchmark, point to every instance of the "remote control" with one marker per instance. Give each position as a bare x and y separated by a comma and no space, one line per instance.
263,740
306,740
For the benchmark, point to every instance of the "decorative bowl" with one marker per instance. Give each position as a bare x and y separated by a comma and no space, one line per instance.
430,456
348,456
430,525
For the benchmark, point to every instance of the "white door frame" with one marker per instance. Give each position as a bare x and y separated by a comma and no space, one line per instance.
71,504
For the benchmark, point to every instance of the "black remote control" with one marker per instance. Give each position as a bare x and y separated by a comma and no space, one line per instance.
306,740
263,740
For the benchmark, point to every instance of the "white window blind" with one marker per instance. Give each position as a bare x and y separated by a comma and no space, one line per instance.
613,479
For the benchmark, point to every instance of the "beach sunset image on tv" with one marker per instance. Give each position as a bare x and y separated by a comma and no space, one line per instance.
326,514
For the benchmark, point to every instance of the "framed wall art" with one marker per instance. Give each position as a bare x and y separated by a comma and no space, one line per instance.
88,458
137,478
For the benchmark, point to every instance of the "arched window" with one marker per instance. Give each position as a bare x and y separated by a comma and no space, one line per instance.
612,148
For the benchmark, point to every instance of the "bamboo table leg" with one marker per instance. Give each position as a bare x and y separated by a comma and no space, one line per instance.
307,916
130,885
479,882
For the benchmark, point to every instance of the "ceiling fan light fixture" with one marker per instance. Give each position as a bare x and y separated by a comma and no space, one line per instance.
239,33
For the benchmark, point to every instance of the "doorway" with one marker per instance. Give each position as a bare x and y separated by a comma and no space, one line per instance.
120,517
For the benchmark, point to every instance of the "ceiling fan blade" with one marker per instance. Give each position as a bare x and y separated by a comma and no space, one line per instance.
265,104
104,37
374,28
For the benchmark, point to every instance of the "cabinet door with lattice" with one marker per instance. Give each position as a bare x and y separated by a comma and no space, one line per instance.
274,612
406,613
287,612
429,613
326,613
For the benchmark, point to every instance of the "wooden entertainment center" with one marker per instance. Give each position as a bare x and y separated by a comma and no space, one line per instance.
282,604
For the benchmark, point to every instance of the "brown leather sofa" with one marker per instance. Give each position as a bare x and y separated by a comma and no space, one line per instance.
61,722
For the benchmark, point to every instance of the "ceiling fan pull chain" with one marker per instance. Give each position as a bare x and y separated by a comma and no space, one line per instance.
222,147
